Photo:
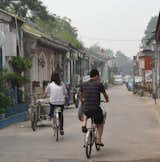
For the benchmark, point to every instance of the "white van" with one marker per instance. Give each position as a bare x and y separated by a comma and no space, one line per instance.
118,79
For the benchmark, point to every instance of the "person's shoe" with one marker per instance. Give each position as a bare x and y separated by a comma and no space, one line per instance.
61,132
84,129
101,144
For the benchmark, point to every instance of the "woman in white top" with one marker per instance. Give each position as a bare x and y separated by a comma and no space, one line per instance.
56,91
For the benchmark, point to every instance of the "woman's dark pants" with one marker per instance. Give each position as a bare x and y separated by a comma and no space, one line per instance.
52,107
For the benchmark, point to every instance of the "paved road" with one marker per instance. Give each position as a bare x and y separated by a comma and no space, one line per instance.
132,133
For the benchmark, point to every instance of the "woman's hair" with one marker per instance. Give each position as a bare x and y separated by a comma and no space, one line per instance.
55,78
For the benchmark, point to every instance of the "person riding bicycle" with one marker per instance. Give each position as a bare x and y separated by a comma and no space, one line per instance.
57,92
90,97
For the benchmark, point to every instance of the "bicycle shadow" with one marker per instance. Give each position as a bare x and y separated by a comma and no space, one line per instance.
44,125
109,153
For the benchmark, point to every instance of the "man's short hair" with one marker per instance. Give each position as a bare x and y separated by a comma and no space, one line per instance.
94,72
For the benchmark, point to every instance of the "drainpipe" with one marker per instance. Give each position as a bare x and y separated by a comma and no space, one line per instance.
158,70
2,42
18,37
1,63
70,63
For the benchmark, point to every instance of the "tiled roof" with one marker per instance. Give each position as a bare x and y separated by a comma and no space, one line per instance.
157,35
12,15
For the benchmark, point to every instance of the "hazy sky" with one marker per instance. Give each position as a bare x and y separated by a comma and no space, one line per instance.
114,24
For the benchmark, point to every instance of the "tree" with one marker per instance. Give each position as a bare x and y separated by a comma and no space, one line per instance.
99,51
25,8
123,63
61,28
51,24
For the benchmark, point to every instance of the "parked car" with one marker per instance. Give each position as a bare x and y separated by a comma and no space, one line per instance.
138,79
118,79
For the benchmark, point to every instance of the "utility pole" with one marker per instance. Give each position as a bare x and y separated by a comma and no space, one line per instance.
155,73
1,63
134,70
158,70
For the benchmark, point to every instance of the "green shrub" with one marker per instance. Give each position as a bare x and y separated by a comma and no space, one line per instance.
20,64
5,101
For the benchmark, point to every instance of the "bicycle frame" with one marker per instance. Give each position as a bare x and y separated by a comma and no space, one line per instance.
90,130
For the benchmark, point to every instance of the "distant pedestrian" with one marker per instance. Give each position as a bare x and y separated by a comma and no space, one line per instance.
68,88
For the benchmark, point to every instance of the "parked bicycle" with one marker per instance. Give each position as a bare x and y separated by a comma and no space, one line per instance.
38,111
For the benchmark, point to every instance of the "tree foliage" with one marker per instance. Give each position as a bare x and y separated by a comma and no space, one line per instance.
123,63
25,8
61,28
5,101
103,54
20,64
50,23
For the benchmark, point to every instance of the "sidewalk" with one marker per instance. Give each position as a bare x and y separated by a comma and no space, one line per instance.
154,106
71,106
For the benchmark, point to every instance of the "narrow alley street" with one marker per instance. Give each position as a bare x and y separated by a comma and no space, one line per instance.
131,133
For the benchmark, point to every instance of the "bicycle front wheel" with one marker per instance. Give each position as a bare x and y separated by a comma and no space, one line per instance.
88,150
88,145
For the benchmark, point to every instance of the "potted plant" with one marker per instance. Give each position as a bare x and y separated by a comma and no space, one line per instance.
17,78
20,64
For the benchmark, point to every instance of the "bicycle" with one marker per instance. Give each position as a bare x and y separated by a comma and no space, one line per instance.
56,122
90,138
38,111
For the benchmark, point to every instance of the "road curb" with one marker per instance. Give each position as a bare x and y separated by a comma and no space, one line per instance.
20,117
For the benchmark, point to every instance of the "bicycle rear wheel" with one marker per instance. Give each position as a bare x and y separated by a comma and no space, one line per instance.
34,122
56,129
57,133
88,145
